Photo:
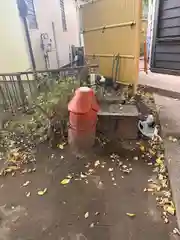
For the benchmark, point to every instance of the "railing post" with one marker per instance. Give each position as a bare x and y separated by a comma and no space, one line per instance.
5,104
22,92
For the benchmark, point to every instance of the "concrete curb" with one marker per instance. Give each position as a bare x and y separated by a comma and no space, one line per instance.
172,153
161,91
168,110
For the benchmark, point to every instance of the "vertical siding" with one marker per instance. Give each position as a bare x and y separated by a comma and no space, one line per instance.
166,54
13,49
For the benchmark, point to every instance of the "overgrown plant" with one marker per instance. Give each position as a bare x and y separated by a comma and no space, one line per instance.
50,112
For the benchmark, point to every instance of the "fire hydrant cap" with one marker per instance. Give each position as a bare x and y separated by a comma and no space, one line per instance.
83,100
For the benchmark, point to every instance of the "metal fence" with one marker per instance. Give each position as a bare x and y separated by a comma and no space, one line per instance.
19,90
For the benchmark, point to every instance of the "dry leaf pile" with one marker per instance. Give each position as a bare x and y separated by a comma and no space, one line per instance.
18,153
160,186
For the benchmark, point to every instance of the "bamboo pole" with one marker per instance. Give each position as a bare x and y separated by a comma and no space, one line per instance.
103,28
110,56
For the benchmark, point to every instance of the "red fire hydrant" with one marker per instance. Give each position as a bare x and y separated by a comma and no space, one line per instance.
83,110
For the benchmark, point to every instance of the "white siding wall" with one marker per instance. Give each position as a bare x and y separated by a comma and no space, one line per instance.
48,11
13,49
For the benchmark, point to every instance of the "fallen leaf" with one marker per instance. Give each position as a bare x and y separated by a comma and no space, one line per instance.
97,163
160,177
131,214
65,181
170,208
91,225
152,152
124,166
148,190
61,147
91,170
135,158
110,169
28,194
142,148
87,165
11,168
83,175
166,220
174,140
159,161
176,231
42,192
26,183
69,176
86,215
170,138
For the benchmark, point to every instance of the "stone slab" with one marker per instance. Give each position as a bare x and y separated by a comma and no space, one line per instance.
118,121
127,110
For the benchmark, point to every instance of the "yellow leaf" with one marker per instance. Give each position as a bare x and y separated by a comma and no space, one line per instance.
152,152
11,168
142,148
170,209
131,214
42,192
65,181
60,146
159,161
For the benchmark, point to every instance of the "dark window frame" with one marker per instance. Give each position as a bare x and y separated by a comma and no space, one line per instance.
63,16
31,16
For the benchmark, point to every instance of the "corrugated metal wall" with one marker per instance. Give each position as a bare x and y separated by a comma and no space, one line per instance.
120,36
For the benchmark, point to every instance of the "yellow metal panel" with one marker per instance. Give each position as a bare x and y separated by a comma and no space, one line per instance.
108,12
112,41
122,39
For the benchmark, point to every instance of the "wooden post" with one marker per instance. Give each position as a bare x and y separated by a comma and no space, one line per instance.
138,12
145,58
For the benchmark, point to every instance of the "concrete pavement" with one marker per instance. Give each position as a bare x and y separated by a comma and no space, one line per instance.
169,116
88,208
167,85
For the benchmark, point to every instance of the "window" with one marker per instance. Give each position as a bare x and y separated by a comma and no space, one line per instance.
31,17
63,16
